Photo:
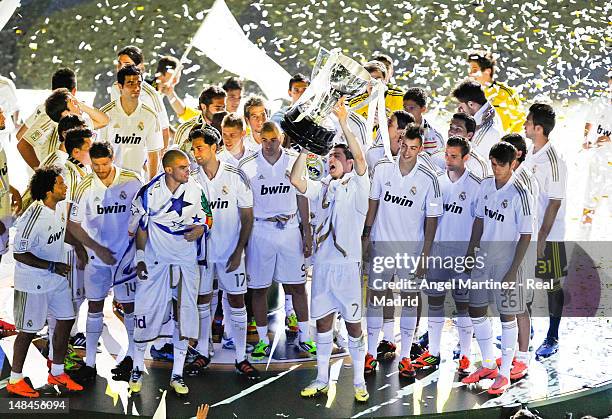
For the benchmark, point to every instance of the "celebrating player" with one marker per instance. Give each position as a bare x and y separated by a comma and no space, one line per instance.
404,206
341,200
235,149
277,247
101,208
502,230
415,103
231,202
134,130
255,113
550,171
172,214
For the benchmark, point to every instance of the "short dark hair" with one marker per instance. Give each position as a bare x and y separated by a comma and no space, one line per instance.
133,52
518,142
68,122
468,120
75,138
383,58
414,131
417,95
403,118
209,93
209,135
232,119
57,103
166,63
43,181
270,126
128,70
253,100
172,155
503,152
217,119
233,83
64,77
101,150
345,149
372,66
470,91
456,141
483,58
544,116
297,78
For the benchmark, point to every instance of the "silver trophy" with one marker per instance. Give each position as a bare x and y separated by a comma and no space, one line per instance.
340,76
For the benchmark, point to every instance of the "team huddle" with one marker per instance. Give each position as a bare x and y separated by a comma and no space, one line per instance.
119,202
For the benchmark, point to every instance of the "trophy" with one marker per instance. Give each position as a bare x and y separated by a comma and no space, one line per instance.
304,122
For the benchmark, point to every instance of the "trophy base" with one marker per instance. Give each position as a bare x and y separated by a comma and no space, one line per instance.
306,133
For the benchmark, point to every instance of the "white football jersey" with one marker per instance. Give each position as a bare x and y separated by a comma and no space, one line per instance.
528,180
403,201
357,125
273,193
432,139
181,136
227,192
600,117
489,129
227,157
550,171
41,133
132,136
506,212
166,217
10,105
459,207
104,212
40,231
150,97
340,207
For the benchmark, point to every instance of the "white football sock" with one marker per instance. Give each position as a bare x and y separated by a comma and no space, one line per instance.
93,331
484,335
324,349
51,322
304,331
509,338
238,319
139,355
128,321
205,325
357,349
407,328
435,323
180,352
389,330
227,313
375,323
262,331
289,304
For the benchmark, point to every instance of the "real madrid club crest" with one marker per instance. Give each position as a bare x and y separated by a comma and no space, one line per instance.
462,196
141,125
225,190
314,166
413,190
505,203
116,126
123,195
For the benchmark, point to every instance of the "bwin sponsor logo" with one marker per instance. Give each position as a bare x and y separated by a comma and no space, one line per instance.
127,139
495,215
219,204
111,209
55,236
602,131
270,190
399,200
454,208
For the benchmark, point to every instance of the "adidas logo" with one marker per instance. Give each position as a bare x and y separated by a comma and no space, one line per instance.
388,183
261,177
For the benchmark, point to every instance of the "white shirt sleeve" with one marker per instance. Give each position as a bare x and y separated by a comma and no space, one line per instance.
245,195
433,200
376,189
479,213
154,138
23,244
558,180
313,189
523,212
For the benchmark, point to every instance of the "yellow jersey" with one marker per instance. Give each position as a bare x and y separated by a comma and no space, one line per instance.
394,101
507,103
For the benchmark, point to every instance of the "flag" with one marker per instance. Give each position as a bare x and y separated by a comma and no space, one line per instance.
221,38
7,8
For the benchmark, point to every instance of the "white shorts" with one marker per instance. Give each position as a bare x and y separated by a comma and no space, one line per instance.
76,278
99,280
276,254
31,309
234,282
511,301
154,301
336,288
380,276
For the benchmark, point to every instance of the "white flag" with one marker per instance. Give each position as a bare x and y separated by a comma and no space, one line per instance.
221,38
7,8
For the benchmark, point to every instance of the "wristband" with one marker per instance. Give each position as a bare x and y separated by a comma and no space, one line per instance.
139,256
51,267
